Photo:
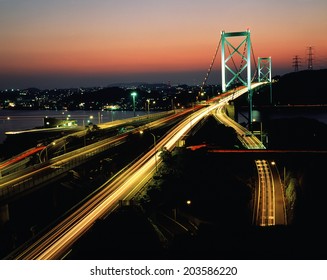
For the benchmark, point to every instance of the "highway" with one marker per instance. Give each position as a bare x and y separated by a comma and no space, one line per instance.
57,242
265,215
246,137
269,207
26,179
20,161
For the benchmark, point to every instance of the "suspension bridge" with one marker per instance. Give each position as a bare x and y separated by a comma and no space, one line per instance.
56,242
236,53
236,65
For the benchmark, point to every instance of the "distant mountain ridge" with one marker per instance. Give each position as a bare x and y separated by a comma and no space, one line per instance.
138,84
303,87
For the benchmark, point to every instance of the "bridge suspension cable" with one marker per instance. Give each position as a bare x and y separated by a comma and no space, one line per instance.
210,67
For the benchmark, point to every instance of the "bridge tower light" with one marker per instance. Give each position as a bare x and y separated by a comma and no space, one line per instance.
242,51
264,69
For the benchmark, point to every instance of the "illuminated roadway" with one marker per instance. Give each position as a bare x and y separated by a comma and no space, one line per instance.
269,208
56,243
265,215
25,180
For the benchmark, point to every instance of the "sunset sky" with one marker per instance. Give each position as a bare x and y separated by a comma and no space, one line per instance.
67,43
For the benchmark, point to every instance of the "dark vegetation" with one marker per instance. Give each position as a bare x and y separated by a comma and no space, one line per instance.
127,234
297,134
304,87
215,135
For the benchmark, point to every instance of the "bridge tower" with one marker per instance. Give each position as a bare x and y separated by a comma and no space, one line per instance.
227,62
264,69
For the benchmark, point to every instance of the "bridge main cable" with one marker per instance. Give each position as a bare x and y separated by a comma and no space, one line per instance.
210,67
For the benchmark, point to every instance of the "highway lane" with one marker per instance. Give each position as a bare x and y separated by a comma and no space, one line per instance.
269,208
266,207
55,243
249,140
280,208
45,171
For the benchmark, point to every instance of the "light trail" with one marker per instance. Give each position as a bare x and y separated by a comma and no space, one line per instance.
266,210
265,207
59,240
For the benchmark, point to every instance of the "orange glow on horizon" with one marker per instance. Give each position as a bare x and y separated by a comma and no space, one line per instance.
122,37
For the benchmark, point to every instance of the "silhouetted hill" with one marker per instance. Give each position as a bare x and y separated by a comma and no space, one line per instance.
304,87
297,133
139,84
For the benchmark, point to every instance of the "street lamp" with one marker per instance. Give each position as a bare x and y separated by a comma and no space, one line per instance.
148,101
155,148
133,94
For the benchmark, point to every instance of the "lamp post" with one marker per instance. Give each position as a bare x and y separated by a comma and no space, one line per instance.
155,148
148,101
133,94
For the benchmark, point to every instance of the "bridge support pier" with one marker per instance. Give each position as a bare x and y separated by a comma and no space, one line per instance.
231,112
4,214
250,101
264,68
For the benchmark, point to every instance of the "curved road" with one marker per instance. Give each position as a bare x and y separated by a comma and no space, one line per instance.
269,207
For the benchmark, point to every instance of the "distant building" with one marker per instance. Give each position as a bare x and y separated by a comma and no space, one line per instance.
54,122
